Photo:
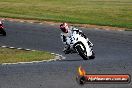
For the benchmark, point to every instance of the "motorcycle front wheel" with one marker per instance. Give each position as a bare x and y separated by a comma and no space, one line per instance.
81,52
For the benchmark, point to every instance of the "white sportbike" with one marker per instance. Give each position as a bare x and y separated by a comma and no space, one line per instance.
78,44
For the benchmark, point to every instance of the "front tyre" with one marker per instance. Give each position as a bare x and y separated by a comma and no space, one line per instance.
81,52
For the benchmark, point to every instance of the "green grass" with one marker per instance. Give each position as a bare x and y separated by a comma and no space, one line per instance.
13,55
100,12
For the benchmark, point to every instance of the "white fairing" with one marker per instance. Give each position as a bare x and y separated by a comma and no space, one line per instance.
75,37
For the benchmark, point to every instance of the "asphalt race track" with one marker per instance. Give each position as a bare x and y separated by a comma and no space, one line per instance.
113,56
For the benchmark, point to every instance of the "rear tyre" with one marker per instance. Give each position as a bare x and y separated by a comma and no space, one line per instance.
3,32
92,56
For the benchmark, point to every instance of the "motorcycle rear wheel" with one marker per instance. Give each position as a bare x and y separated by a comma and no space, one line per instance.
92,56
2,31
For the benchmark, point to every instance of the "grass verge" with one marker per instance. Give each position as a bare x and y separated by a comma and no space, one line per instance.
115,13
13,55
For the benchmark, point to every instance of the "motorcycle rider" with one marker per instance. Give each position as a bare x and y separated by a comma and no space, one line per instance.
67,32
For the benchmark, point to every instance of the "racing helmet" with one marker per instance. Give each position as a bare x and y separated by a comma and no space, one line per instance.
64,27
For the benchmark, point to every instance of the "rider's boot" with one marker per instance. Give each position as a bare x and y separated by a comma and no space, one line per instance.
66,49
